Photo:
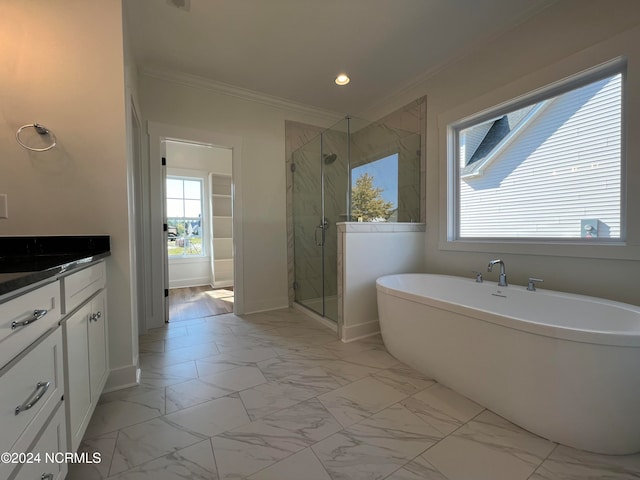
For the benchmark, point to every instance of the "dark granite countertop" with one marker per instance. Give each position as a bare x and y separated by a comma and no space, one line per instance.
28,260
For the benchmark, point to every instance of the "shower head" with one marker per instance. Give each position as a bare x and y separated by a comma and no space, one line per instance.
329,158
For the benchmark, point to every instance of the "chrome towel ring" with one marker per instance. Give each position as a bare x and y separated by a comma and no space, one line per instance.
41,130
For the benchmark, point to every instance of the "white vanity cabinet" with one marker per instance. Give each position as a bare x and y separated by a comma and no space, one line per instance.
85,347
50,441
31,380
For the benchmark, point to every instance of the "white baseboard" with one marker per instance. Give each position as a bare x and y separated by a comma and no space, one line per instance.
190,282
122,377
266,306
352,333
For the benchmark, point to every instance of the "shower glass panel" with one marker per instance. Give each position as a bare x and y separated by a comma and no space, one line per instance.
335,181
320,200
307,212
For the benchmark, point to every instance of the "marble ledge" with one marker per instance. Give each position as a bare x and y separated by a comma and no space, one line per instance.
380,227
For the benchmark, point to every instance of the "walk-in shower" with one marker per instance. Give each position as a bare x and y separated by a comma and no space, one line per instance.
353,171
320,200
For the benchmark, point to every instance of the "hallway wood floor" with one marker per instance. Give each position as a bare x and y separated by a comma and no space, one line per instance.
197,302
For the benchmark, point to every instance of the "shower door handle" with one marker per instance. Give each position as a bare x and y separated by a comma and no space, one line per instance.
321,228
321,242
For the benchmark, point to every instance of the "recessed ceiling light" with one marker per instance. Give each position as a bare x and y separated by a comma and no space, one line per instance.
342,79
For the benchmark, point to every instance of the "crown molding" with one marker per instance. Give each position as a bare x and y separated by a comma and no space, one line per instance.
221,88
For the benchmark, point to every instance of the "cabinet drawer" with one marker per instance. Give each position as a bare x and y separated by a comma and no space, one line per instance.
79,286
20,325
51,440
23,390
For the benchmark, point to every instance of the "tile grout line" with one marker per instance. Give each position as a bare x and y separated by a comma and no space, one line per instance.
320,362
435,443
215,460
113,454
544,460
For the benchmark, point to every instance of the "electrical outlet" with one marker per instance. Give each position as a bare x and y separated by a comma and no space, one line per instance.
4,210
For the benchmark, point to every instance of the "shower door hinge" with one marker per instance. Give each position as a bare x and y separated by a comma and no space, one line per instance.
293,167
295,285
166,292
165,227
164,161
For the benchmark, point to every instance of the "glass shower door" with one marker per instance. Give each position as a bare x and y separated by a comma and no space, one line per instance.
308,226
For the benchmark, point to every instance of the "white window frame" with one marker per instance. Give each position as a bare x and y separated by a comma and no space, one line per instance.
450,124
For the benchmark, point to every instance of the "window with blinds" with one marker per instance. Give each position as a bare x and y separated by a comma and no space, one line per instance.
547,169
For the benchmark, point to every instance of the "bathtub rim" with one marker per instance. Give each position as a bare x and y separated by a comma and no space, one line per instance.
628,339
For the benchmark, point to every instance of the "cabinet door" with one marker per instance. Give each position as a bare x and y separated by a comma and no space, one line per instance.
98,345
51,441
78,396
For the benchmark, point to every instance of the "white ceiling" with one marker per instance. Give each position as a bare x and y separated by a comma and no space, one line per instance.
293,49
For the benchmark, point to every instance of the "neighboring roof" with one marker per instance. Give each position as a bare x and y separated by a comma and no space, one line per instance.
498,131
501,133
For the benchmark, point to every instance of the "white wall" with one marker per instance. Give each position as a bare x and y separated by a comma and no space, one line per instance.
368,251
199,157
565,39
180,102
62,65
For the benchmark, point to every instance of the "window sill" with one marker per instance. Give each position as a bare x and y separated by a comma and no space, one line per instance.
603,250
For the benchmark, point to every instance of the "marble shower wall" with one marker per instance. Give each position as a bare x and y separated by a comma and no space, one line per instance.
399,132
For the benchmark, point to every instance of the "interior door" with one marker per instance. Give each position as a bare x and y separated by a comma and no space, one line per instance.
165,233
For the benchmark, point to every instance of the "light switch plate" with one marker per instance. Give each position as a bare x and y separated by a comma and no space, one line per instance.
4,210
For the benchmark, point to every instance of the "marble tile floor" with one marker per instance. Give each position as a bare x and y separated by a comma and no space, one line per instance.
274,396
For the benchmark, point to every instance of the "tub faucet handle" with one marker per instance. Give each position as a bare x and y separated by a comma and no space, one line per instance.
531,286
478,276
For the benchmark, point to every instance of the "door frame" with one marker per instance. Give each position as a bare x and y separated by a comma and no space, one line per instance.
139,216
158,132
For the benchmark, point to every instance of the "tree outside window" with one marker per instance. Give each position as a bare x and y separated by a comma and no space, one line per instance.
374,192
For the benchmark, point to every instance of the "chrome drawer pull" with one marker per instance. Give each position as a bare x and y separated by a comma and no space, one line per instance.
41,389
95,316
37,315
47,476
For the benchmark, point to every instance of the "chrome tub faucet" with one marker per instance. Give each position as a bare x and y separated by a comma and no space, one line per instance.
502,280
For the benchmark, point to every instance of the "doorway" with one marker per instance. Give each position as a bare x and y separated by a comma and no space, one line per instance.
194,238
199,229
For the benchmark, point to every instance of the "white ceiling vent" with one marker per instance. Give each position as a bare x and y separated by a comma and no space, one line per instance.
181,4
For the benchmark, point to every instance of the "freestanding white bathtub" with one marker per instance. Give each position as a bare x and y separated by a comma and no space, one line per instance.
563,366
